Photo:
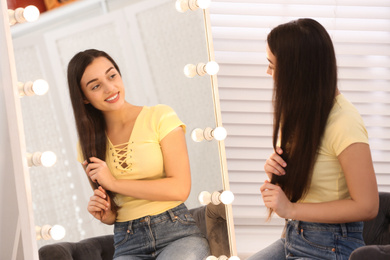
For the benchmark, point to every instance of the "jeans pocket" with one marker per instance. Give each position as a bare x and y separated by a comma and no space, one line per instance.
121,237
323,240
185,218
353,240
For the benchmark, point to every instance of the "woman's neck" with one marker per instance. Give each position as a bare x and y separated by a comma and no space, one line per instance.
120,117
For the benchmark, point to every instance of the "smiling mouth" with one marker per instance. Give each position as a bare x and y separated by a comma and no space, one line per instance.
113,97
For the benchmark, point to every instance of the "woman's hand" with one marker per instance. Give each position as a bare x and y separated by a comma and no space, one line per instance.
99,206
275,164
274,198
99,173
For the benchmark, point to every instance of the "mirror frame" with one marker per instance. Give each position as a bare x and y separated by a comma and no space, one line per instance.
25,229
221,144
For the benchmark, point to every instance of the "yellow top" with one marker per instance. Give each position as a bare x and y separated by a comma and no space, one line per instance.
344,127
141,158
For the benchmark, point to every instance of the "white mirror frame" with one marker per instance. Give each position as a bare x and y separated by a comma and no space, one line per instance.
221,144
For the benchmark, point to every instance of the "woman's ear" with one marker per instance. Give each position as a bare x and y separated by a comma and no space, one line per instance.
85,101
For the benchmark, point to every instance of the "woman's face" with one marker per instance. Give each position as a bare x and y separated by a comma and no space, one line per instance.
272,62
102,85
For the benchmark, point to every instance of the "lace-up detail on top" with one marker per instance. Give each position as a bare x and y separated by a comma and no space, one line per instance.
122,154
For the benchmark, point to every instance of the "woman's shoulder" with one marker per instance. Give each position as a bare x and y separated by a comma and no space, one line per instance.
344,112
345,126
159,109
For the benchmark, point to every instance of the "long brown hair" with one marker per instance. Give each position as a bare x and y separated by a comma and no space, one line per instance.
304,92
90,122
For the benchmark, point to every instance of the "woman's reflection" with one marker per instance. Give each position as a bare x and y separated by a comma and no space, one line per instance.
139,154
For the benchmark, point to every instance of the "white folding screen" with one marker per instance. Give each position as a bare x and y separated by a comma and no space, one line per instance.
361,34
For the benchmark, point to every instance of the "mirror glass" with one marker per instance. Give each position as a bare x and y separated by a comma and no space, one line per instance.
151,42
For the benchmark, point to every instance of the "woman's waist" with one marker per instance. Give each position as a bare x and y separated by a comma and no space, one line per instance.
138,209
333,227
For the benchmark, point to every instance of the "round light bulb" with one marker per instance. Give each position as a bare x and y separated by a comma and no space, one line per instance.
181,6
190,70
197,135
227,197
40,87
204,197
211,258
48,159
194,136
234,258
57,232
212,68
204,4
31,13
219,133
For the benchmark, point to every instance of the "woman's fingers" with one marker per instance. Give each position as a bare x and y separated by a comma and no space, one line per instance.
267,186
275,164
92,166
279,150
277,158
95,160
100,192
273,167
98,203
92,172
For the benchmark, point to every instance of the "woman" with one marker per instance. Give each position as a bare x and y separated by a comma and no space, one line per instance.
139,155
321,174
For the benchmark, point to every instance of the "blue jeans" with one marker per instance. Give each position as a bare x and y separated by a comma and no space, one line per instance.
307,240
169,235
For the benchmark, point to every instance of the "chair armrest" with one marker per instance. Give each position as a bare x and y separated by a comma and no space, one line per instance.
377,230
97,248
217,232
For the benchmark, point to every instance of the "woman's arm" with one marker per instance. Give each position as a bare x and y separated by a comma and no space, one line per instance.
364,203
175,186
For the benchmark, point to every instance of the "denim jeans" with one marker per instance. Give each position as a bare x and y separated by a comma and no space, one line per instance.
307,240
169,235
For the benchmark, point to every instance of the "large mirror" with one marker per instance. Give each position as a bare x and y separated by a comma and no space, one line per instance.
151,43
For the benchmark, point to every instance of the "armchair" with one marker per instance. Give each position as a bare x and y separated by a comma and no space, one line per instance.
376,234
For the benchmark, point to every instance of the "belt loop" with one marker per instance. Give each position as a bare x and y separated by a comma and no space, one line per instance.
344,229
298,226
172,215
130,227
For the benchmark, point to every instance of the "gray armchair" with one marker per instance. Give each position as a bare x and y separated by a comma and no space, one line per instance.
376,234
210,219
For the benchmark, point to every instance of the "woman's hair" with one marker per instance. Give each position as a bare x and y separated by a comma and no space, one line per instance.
305,88
90,122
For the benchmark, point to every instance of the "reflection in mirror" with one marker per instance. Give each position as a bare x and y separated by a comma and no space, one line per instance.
151,42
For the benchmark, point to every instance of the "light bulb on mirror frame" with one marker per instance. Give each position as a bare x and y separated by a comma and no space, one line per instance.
31,13
184,5
38,87
212,68
219,134
46,159
20,15
226,197
46,232
190,70
201,69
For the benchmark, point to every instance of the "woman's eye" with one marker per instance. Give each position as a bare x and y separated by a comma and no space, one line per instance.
113,76
270,67
95,87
